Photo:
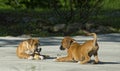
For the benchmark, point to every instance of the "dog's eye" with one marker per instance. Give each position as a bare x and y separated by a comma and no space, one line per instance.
36,44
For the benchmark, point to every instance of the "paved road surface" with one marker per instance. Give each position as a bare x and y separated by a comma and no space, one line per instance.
109,54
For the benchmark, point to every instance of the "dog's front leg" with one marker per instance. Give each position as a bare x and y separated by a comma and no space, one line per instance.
64,59
25,56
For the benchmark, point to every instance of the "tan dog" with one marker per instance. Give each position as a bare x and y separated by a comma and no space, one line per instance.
79,52
27,48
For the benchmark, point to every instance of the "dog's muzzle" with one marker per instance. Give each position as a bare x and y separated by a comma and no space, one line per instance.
61,48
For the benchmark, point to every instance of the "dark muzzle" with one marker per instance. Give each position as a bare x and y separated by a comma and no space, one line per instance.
61,48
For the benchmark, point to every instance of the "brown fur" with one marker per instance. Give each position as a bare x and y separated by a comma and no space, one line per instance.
79,52
29,46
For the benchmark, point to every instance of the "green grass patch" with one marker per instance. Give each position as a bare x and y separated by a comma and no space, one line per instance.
111,4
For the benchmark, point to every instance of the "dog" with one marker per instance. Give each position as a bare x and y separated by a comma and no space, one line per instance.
79,52
26,48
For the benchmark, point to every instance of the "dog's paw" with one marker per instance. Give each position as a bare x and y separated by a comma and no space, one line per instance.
58,57
55,60
94,62
41,57
30,58
79,62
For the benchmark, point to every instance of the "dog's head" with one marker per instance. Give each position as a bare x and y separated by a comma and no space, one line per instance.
33,44
37,51
66,42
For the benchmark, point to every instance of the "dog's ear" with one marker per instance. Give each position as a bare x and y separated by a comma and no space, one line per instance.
72,40
69,42
39,50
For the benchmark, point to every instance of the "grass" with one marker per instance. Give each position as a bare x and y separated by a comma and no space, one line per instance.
111,5
109,16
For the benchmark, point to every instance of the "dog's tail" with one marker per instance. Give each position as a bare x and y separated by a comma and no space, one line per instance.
92,34
95,37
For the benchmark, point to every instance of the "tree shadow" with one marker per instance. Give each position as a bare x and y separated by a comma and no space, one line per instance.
103,38
48,41
9,43
109,38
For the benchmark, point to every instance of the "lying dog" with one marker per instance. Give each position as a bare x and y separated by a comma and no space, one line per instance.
79,52
27,48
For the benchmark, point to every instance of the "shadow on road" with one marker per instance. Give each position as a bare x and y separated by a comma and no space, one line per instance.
109,38
9,43
48,41
102,62
109,62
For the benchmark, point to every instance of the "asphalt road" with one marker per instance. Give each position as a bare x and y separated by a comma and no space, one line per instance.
109,55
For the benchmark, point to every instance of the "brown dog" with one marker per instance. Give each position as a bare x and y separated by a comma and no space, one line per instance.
27,48
79,52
